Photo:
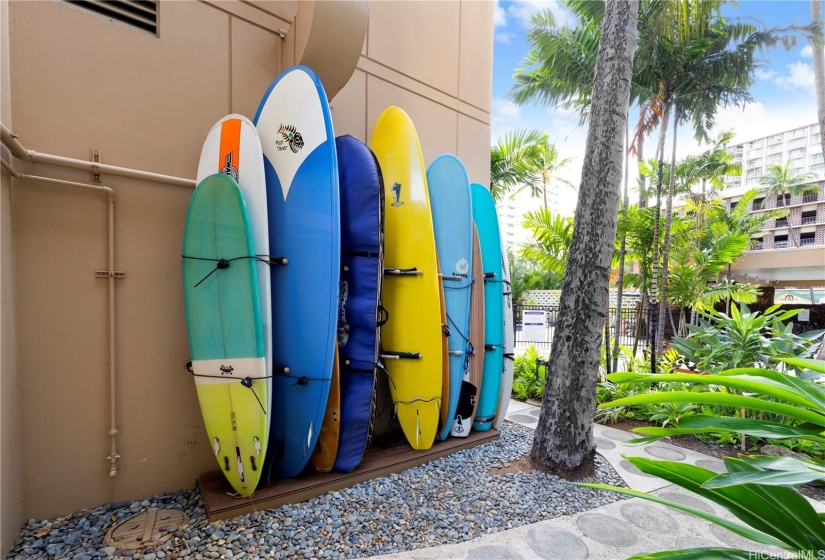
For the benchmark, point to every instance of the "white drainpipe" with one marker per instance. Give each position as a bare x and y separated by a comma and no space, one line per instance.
113,456
17,149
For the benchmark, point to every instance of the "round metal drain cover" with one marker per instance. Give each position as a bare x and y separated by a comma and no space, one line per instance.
147,529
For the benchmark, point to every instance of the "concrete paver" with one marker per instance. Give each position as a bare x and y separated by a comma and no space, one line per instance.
618,530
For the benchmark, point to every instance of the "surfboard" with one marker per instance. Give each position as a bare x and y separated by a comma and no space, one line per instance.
359,295
484,214
411,339
449,190
323,458
295,127
509,340
223,321
471,384
233,148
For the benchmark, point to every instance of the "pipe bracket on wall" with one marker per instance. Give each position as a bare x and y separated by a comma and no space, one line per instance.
117,274
95,168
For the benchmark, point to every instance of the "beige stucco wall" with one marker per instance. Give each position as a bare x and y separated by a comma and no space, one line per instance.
81,83
11,473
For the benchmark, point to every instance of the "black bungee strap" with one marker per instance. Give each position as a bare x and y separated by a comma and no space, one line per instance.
245,381
224,263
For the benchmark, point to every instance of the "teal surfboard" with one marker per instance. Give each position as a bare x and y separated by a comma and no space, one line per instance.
453,226
484,214
223,320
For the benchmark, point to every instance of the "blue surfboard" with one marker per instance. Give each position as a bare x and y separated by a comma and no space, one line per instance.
300,163
453,225
359,298
484,214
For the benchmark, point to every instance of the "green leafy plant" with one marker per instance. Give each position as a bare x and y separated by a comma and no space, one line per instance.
757,489
671,413
743,339
529,378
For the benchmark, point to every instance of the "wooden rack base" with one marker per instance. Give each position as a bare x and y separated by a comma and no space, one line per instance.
380,460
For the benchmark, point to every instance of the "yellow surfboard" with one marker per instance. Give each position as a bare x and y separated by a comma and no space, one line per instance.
411,340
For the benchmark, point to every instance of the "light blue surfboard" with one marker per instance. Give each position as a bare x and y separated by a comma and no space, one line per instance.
484,214
453,226
301,168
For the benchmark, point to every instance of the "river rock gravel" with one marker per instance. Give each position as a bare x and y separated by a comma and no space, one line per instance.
453,499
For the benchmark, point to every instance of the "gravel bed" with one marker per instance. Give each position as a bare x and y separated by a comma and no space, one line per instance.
451,500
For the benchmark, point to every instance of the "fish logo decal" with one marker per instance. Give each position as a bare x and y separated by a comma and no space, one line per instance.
291,137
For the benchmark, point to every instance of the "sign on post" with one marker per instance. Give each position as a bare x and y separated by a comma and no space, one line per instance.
534,325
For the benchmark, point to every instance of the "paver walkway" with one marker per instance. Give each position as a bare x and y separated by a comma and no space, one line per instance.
618,530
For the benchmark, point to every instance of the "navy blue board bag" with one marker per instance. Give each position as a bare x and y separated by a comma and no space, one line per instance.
359,297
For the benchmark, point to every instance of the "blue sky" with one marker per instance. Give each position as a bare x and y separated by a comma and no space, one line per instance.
783,92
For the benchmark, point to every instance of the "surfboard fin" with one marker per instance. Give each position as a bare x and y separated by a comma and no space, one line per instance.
417,427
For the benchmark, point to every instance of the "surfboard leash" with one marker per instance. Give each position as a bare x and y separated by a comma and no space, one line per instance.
224,263
461,334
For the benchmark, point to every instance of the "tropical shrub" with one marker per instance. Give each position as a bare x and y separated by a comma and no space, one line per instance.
529,377
607,391
758,490
743,339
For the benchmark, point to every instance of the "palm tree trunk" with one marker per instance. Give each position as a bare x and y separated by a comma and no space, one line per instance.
727,301
640,318
544,190
655,268
620,280
563,443
640,145
663,305
672,322
819,70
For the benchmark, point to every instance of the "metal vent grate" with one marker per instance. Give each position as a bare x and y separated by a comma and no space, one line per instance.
139,14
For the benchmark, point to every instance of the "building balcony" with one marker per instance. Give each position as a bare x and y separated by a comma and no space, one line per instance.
780,245
807,242
808,198
781,223
757,247
808,220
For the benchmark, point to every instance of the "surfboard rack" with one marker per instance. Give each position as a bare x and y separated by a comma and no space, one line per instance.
387,454
401,356
403,272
